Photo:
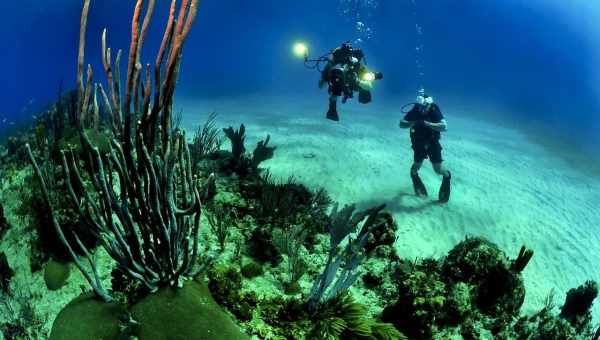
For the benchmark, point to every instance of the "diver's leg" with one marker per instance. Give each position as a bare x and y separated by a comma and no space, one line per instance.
435,155
444,194
414,169
440,169
332,112
418,185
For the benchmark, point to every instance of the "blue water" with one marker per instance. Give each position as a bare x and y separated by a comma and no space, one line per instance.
536,59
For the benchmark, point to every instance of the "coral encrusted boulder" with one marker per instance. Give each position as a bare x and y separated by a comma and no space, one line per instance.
480,263
187,313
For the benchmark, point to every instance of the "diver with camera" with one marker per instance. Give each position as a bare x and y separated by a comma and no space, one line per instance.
345,72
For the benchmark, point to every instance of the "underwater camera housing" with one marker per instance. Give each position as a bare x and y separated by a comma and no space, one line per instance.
344,82
364,96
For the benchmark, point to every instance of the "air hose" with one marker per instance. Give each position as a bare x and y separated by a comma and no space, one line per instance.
403,108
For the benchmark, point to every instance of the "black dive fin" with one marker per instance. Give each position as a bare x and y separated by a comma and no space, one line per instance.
444,194
332,115
418,185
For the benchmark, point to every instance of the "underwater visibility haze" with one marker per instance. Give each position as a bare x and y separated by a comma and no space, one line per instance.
339,169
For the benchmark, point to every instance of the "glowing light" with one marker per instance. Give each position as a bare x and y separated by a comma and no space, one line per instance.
300,50
369,76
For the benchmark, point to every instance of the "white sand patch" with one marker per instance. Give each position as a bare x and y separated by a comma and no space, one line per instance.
505,187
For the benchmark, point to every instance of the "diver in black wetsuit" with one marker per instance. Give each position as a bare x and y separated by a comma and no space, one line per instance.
346,73
426,123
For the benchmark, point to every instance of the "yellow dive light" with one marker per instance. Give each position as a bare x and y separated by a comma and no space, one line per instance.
300,50
369,76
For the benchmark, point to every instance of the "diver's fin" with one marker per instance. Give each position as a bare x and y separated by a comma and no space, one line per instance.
418,185
332,112
444,195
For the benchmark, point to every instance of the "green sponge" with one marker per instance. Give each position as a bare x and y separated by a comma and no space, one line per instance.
56,274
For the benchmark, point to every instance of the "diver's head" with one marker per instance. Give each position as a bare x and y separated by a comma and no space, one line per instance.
347,49
358,54
347,46
424,99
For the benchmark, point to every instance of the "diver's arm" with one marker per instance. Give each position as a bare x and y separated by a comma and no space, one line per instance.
440,127
404,124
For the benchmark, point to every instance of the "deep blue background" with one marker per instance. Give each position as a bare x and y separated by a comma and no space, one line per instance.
536,59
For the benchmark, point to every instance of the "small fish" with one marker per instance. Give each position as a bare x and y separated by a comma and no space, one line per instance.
11,123
4,120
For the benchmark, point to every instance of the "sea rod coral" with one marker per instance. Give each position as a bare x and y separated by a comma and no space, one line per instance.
140,198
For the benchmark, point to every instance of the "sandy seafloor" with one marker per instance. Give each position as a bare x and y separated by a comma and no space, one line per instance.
507,186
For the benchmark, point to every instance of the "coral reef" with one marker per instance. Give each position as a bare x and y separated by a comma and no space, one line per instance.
271,238
47,243
480,263
262,247
476,291
421,301
131,191
20,321
576,309
573,321
225,284
251,270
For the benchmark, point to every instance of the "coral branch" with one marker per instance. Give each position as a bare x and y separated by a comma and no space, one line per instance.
95,282
145,25
81,54
113,106
522,260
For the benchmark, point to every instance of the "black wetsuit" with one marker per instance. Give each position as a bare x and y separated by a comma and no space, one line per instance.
425,141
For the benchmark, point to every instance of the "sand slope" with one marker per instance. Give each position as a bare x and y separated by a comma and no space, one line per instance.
505,187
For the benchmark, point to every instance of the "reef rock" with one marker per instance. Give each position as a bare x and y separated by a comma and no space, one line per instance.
185,313
480,263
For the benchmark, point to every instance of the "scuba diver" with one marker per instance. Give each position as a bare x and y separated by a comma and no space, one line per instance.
426,124
345,73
